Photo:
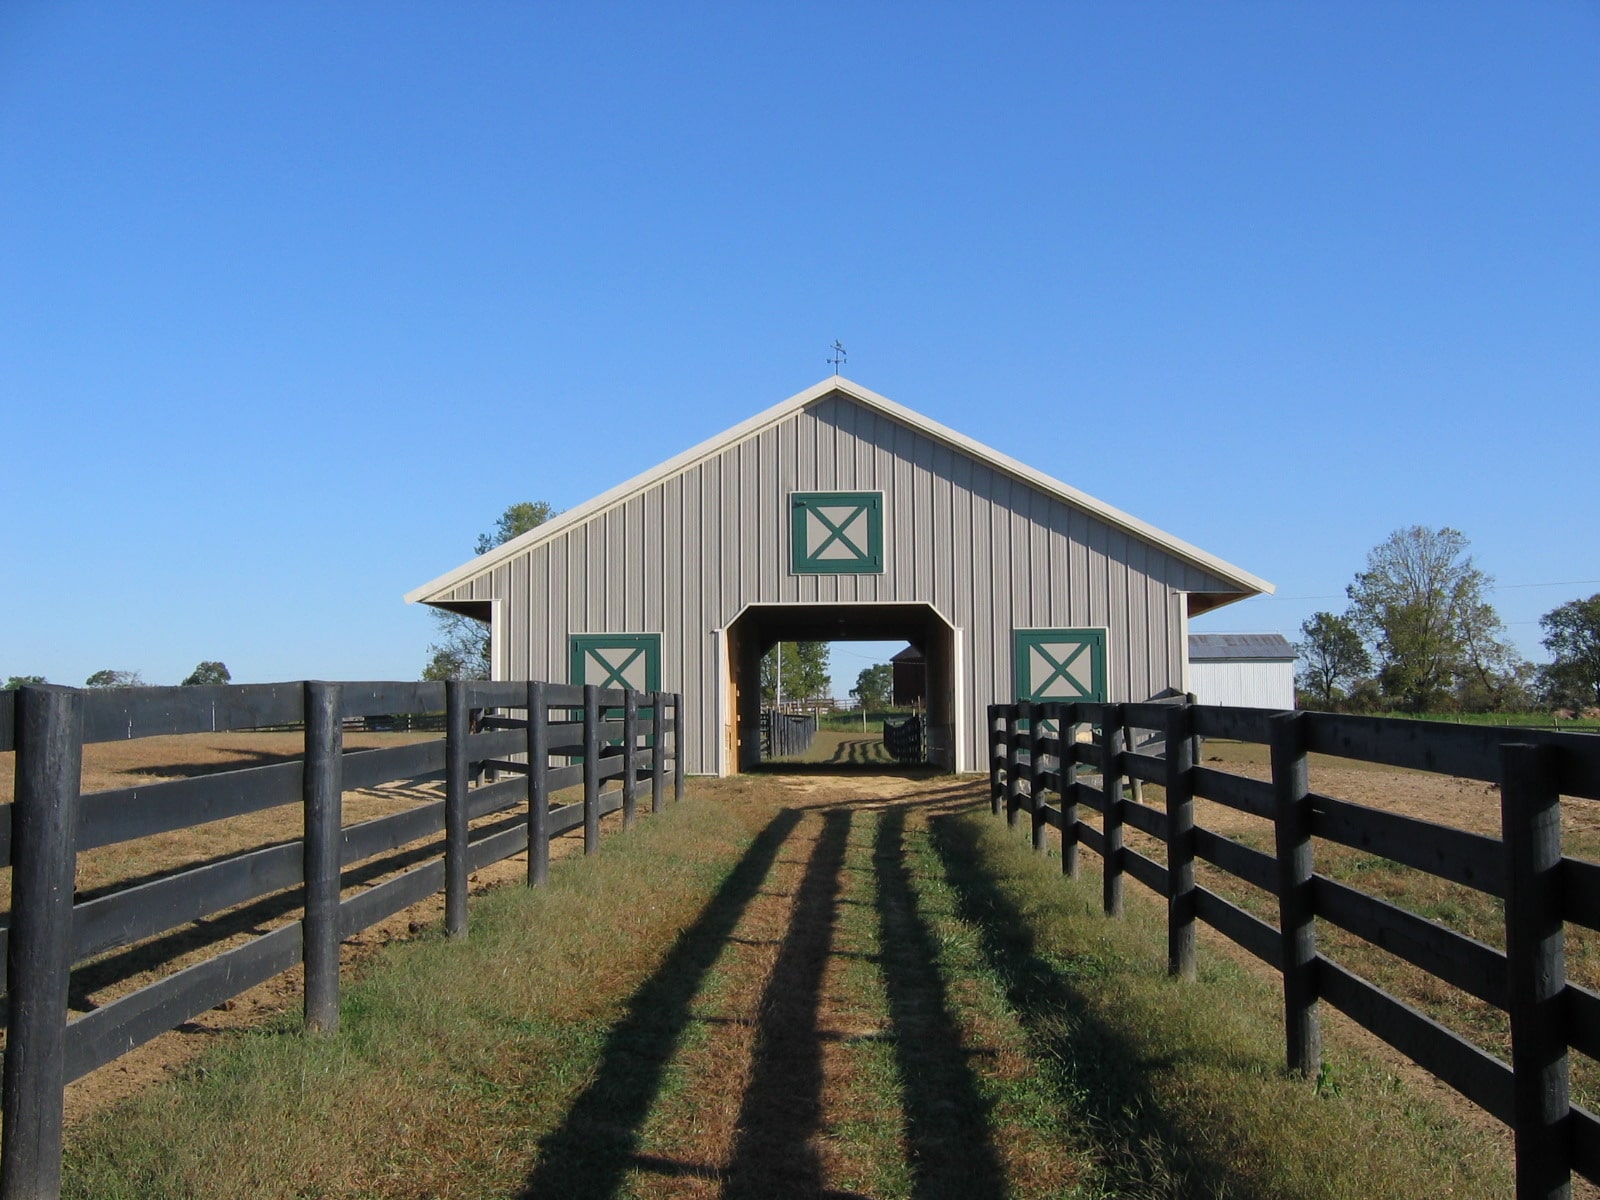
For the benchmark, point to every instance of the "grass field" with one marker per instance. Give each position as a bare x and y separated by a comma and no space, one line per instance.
1529,720
798,985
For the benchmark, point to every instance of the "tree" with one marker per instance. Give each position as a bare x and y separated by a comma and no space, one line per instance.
114,679
1572,635
1419,605
514,522
1332,657
874,686
16,681
1492,676
462,651
208,673
805,672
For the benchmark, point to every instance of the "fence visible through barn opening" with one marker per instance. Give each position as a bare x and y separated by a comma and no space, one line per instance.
906,740
785,734
1040,755
491,761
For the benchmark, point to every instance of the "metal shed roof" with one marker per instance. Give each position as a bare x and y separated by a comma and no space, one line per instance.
1211,647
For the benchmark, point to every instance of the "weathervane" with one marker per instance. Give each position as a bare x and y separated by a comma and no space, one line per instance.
838,356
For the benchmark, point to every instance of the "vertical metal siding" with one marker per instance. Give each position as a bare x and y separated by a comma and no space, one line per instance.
988,551
1244,683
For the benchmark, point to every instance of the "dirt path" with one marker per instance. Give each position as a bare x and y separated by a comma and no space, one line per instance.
823,1052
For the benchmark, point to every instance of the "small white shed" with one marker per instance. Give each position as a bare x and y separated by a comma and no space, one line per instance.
1245,670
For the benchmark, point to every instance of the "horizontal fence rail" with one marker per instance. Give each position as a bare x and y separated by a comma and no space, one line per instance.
506,746
1040,753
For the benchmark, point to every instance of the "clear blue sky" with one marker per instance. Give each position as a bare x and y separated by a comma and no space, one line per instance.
296,298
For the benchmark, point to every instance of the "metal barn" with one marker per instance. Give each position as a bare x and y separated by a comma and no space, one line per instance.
839,514
1247,670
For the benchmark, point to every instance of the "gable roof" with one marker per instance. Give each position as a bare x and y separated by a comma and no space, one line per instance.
1247,583
1216,647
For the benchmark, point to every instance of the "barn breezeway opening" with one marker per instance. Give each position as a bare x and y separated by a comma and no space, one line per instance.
761,627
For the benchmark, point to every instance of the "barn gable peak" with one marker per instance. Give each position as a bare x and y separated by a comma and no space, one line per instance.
839,386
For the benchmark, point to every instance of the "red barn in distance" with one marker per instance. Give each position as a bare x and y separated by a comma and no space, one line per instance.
910,678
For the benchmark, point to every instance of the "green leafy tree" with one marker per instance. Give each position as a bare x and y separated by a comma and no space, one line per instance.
874,686
805,672
208,673
1332,658
1572,635
114,679
1419,605
514,522
1491,676
815,677
16,681
462,648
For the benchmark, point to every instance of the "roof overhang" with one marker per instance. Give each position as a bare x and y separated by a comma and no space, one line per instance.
1248,584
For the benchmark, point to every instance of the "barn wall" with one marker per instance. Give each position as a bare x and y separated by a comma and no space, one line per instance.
1243,683
988,551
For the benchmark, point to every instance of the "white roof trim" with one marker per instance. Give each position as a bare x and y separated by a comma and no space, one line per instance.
434,589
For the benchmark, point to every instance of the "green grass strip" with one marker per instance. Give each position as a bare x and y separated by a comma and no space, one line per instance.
530,1052
1180,1089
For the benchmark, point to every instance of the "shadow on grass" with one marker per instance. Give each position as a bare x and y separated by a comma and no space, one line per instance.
782,1107
590,1153
947,1119
844,767
1100,1075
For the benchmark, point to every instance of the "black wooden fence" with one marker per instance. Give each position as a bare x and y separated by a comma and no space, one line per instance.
906,741
1543,890
573,735
786,733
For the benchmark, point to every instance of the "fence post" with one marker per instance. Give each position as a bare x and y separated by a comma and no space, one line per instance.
996,759
630,742
1017,714
1111,780
323,793
1530,817
1296,916
1035,783
677,746
44,825
538,785
456,715
591,768
658,754
1180,842
1067,732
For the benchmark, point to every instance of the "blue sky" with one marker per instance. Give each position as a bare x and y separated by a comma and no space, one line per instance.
296,298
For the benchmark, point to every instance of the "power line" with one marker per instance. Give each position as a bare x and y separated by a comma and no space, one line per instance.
1499,587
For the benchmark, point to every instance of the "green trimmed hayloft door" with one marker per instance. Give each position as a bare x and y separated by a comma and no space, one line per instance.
617,660
836,533
1060,664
